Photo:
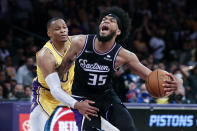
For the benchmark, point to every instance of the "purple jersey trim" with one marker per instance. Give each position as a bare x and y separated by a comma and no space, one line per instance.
104,52
55,49
36,96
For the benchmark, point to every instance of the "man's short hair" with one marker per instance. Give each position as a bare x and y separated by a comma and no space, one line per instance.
51,20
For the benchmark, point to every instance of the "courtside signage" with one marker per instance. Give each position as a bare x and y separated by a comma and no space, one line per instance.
62,120
24,122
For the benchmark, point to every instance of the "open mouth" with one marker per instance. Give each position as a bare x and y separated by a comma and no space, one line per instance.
105,28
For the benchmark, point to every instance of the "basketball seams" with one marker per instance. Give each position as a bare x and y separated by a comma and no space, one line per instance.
150,89
158,84
154,83
147,86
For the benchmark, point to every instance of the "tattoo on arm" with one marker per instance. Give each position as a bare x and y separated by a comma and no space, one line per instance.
64,67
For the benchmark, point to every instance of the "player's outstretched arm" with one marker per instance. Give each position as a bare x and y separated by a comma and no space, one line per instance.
130,59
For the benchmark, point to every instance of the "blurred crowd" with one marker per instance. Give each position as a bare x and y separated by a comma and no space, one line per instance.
163,35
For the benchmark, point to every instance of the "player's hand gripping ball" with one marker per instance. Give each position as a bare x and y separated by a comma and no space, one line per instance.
154,83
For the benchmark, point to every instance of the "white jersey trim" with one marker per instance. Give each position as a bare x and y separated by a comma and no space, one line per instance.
83,46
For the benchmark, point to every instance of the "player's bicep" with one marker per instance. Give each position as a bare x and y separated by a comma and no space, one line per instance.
68,60
78,42
75,48
46,61
136,66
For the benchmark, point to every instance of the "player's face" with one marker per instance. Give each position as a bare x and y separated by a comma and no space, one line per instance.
108,26
58,31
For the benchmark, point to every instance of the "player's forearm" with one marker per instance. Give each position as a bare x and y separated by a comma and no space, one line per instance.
64,67
142,71
58,93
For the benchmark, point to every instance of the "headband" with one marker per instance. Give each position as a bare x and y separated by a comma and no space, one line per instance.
117,19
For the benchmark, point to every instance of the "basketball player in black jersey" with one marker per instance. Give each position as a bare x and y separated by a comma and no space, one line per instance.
96,58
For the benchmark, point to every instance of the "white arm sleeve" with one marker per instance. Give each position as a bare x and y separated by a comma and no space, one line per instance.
54,84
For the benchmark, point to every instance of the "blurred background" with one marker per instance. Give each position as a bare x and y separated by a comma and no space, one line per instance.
163,35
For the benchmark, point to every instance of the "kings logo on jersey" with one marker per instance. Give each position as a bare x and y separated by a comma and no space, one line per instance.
93,67
62,119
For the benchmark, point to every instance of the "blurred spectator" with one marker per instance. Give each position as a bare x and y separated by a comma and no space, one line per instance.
192,82
157,45
28,92
9,89
3,50
162,66
19,57
178,73
140,46
178,97
130,77
119,84
193,53
149,61
11,71
1,64
24,73
143,96
3,76
173,66
13,83
132,93
1,92
31,47
185,55
75,27
18,93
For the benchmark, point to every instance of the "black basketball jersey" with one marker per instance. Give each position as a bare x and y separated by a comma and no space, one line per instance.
94,70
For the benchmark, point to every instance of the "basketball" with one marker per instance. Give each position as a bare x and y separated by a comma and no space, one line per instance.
154,83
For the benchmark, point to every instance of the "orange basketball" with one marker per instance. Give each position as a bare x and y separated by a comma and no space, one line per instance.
154,83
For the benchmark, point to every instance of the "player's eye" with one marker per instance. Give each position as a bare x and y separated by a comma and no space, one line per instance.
113,20
103,19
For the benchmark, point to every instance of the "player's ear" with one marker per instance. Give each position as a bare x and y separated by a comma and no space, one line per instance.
118,32
49,33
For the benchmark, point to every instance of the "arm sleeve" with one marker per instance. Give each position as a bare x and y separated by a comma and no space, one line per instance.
58,93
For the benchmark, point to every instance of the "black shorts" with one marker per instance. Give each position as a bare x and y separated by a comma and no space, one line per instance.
110,108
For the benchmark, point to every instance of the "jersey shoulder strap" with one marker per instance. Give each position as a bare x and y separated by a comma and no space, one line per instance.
90,41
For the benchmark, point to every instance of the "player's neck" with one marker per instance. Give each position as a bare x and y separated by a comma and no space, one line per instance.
60,46
104,46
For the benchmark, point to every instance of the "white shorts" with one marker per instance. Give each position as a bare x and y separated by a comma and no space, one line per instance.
38,119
